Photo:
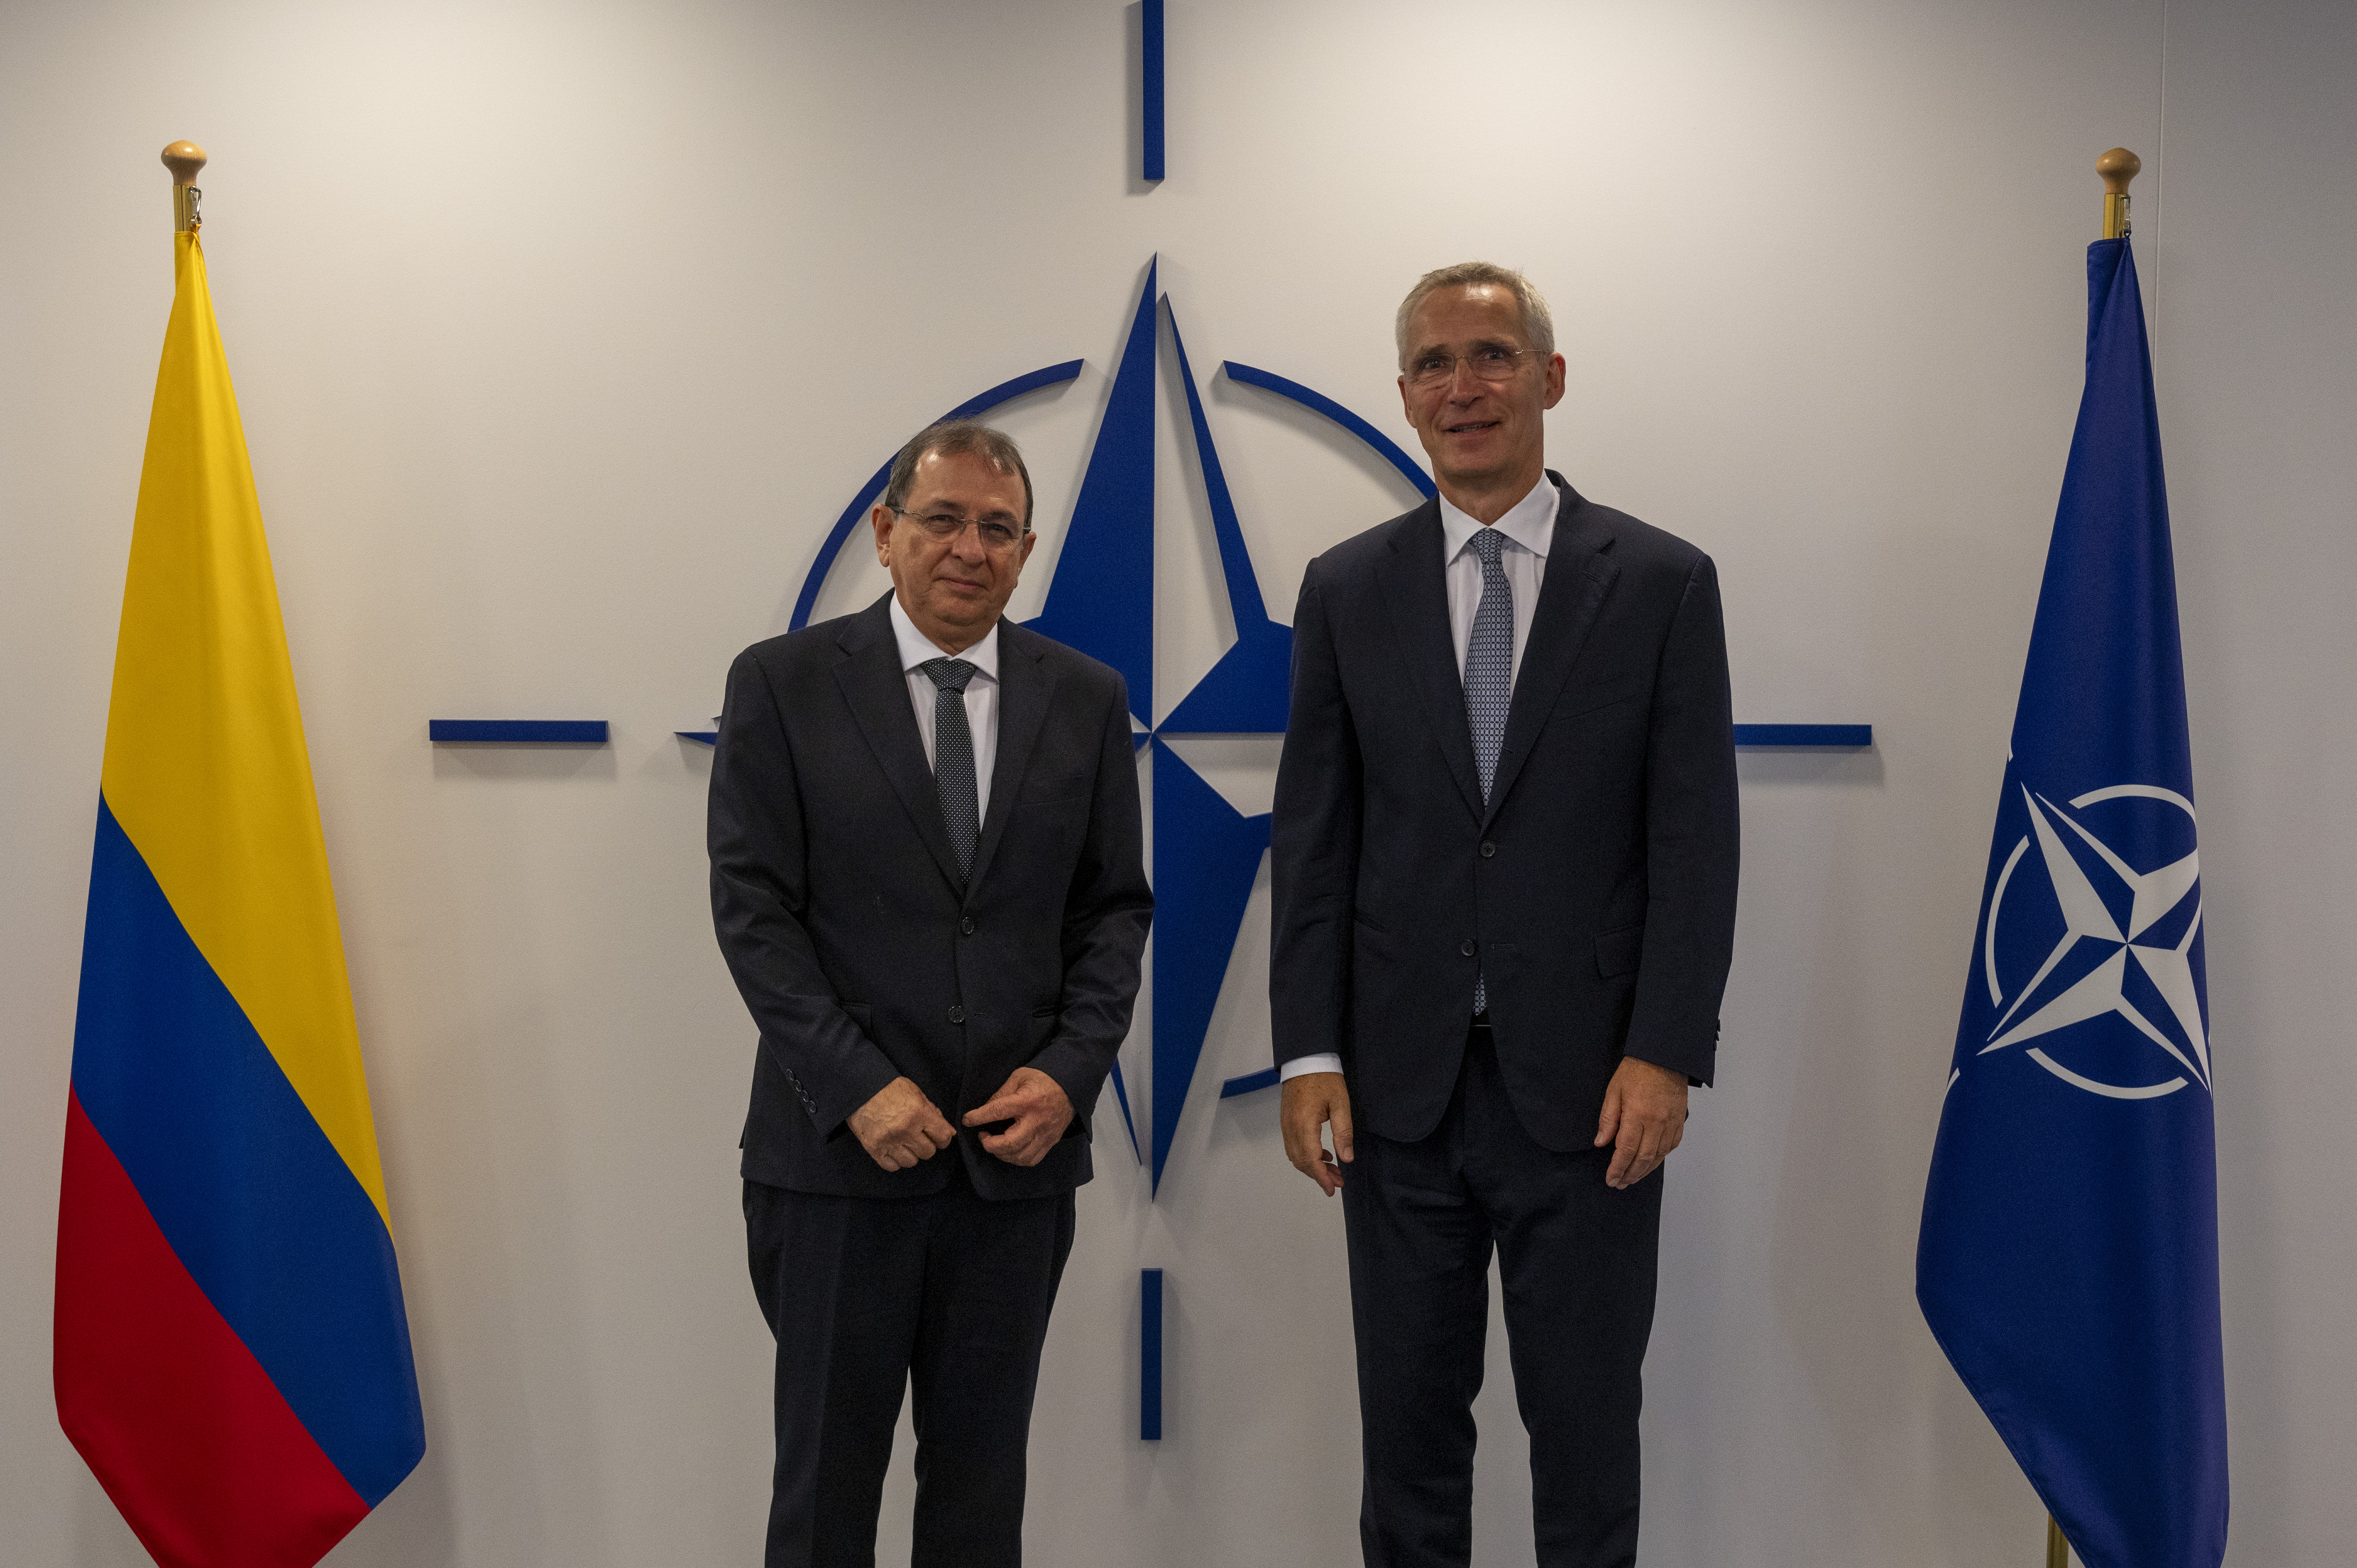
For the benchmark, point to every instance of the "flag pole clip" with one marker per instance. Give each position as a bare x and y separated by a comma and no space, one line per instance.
2118,166
184,159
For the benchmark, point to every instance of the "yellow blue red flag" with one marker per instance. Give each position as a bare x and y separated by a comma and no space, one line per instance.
232,1357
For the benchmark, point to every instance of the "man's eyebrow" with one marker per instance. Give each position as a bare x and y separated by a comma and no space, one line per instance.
1476,346
938,508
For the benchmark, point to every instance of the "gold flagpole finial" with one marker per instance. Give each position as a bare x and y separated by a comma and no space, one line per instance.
184,159
2118,166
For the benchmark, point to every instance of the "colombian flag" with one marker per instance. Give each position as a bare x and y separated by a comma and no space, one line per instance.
232,1357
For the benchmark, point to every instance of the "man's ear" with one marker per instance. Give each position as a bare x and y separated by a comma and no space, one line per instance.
879,517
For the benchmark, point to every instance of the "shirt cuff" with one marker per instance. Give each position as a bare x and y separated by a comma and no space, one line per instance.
1324,1061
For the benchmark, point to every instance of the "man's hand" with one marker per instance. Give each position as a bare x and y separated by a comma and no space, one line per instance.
901,1126
1644,1117
1311,1100
1038,1109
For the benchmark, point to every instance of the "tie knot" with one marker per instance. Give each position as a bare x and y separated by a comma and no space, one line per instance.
1487,543
949,674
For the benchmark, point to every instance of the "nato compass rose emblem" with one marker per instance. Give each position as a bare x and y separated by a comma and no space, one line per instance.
1101,601
2115,970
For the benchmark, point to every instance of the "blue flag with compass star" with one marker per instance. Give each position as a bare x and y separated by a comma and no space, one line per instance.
2068,1262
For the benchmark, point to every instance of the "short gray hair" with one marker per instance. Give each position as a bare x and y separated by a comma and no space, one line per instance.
1537,324
950,438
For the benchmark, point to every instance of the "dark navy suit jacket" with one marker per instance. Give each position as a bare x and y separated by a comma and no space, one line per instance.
862,954
1594,893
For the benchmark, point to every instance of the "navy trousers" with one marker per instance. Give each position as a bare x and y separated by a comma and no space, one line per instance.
1577,1259
945,1294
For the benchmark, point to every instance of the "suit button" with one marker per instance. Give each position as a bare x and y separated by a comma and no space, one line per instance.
957,1014
965,927
1487,849
1466,949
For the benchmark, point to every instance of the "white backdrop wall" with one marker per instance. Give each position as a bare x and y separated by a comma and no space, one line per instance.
562,332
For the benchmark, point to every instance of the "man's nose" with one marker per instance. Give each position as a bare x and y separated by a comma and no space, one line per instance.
967,545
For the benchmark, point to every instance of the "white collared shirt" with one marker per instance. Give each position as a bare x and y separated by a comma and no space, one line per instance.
981,695
1528,529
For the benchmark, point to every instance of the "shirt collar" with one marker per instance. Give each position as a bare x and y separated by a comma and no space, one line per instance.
916,648
1529,522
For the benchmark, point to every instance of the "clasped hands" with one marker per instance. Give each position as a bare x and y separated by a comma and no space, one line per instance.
901,1126
1644,1117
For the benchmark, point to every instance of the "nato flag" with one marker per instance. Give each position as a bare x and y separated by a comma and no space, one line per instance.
2069,1257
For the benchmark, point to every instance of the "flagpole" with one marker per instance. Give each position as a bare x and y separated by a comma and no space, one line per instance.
184,159
2118,166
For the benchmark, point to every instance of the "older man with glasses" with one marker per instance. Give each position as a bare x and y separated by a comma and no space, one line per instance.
927,880
1504,859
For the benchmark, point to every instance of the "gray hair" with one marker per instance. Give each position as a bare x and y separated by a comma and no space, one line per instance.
1537,324
950,438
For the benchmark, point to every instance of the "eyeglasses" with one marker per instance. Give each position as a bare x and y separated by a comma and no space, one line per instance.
1490,364
994,534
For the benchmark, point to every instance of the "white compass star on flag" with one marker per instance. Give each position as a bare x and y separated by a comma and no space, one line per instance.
2135,921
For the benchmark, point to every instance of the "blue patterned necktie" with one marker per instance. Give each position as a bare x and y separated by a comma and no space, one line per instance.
953,756
1489,679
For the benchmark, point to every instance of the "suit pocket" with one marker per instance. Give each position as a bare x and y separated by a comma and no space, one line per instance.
1617,952
1054,789
1588,697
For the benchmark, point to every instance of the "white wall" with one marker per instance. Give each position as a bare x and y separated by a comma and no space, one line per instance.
562,332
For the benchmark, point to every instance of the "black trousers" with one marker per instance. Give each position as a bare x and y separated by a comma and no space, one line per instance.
946,1294
1577,1262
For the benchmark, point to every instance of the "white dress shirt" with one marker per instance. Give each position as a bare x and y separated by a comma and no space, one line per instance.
1528,528
981,695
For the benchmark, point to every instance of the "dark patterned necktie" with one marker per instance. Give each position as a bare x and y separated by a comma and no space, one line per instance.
953,756
1489,679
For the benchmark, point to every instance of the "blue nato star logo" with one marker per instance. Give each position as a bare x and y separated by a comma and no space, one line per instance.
1101,601
2118,972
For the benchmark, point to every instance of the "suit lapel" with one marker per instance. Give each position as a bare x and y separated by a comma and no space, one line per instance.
1417,594
1024,687
1579,574
877,688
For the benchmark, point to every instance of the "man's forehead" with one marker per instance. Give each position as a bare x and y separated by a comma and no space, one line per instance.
1481,312
938,472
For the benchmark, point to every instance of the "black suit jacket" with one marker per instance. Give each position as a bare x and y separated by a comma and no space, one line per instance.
1594,893
862,954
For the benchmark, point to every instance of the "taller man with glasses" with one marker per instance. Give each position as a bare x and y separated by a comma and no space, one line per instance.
927,880
1504,856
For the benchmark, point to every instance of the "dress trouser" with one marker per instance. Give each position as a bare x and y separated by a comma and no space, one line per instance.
947,1295
1577,1262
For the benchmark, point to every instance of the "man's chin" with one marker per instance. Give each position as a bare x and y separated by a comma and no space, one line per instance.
964,614
1475,472
957,606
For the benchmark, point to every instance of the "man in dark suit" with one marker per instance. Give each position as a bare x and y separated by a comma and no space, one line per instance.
928,883
1504,854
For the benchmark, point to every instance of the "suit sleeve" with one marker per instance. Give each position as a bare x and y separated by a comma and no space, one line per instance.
1313,846
1107,909
1693,833
755,832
